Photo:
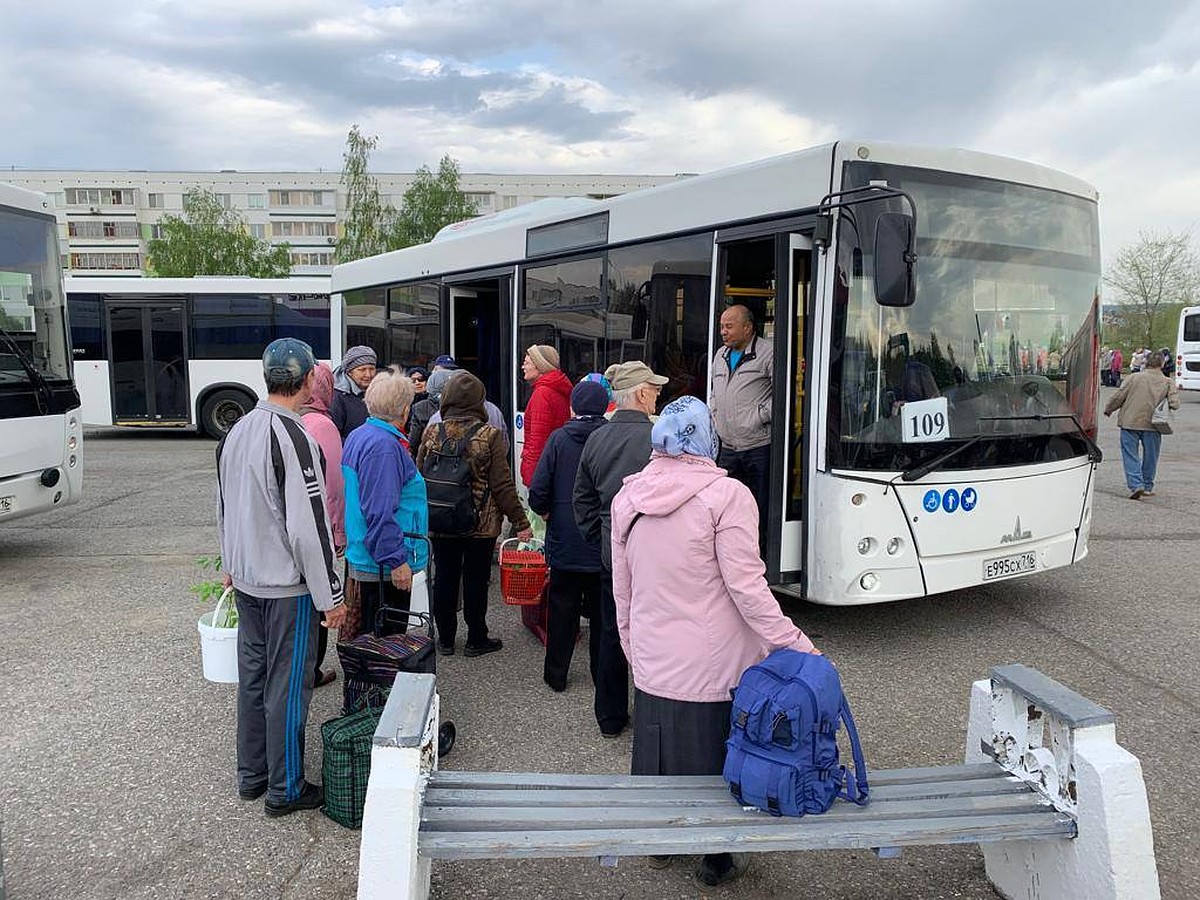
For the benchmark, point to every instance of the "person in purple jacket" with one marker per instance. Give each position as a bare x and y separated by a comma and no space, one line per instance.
385,503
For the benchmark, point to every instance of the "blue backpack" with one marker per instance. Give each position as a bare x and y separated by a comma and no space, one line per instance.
782,754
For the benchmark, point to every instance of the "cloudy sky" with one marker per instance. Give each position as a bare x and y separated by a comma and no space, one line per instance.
1107,91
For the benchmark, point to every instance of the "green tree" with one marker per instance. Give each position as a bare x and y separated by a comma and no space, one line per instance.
368,223
209,239
431,203
1150,278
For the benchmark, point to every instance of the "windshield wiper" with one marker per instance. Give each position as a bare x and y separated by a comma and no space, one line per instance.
41,388
937,462
1095,454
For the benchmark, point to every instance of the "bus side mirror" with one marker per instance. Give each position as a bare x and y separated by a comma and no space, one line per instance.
894,259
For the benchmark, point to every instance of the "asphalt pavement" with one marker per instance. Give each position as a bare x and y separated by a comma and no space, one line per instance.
117,758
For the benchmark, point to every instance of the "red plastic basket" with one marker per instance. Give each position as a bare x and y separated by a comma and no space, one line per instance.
523,573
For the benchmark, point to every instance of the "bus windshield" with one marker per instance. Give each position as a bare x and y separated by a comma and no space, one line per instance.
1000,346
33,335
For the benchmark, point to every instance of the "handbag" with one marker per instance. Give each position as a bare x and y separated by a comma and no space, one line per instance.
1161,420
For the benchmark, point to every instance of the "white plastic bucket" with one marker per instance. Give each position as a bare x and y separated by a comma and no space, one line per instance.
218,649
419,600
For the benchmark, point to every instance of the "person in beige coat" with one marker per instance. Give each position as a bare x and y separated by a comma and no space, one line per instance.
1137,399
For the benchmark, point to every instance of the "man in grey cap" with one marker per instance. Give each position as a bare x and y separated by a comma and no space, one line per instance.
610,454
277,552
348,409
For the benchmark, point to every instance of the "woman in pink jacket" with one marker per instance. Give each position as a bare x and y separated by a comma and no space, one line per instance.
693,607
317,422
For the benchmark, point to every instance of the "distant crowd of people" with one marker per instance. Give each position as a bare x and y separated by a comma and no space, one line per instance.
654,532
1112,361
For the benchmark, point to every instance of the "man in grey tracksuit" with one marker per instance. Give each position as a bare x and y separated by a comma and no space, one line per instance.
277,552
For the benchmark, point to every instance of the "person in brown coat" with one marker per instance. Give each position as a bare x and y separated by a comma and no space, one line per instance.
467,558
1136,399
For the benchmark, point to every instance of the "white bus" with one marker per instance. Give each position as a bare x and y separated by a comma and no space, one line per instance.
185,351
41,431
919,447
1187,350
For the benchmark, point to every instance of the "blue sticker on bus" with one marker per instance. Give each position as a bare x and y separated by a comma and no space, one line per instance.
969,498
520,423
950,500
932,501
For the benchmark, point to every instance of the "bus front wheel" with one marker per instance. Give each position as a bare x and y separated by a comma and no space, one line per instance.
221,409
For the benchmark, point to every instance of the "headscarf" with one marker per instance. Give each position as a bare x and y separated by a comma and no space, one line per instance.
685,427
322,391
600,380
436,383
544,357
463,397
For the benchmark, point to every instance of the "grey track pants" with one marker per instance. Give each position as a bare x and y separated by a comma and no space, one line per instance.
277,644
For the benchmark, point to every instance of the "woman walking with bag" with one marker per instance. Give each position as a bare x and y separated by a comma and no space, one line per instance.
693,607
1137,399
470,488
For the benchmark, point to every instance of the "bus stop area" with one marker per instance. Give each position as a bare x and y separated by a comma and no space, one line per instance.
118,758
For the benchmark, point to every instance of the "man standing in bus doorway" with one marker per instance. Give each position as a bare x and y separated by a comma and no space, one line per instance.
742,386
350,380
1137,399
278,554
620,448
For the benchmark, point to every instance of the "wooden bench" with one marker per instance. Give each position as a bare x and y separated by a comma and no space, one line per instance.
1057,806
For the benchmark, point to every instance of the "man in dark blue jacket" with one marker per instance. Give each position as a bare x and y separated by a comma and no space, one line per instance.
574,563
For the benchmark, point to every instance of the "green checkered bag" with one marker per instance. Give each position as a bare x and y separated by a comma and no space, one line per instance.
347,744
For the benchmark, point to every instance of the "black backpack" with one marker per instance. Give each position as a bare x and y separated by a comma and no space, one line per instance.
447,474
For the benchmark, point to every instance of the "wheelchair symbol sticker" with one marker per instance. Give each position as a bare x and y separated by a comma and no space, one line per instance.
950,500
969,498
932,501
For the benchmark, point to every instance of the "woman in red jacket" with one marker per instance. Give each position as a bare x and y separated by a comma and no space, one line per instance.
549,405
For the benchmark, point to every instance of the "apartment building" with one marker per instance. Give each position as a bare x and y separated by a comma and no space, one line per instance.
106,218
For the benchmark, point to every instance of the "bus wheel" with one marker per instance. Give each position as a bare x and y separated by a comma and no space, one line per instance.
221,410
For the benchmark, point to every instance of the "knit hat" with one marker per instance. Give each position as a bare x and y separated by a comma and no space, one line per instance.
600,380
588,398
358,356
288,357
544,357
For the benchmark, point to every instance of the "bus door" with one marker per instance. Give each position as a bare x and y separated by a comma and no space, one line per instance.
148,353
771,275
478,334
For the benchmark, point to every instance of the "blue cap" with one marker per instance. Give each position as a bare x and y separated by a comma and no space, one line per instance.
288,357
445,361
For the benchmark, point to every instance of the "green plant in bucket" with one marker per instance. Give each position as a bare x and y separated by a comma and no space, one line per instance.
210,591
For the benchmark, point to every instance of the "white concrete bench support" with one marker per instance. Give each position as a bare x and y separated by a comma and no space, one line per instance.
403,756
1066,747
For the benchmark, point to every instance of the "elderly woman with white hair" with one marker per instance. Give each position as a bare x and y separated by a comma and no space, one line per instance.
692,603
385,505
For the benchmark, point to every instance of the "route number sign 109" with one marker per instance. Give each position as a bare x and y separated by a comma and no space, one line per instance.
926,420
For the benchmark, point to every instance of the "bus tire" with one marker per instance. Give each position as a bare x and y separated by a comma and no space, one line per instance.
221,409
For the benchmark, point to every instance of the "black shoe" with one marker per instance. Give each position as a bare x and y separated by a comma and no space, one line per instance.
312,797
252,793
491,645
557,687
712,873
446,649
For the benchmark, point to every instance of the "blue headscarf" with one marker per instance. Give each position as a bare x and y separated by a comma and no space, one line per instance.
685,426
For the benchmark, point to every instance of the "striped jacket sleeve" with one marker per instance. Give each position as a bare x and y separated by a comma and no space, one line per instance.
306,518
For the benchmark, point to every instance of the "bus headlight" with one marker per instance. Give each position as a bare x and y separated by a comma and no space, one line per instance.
866,545
71,462
72,422
869,582
894,546
72,442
